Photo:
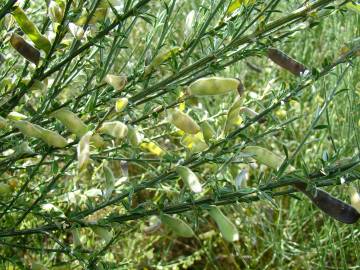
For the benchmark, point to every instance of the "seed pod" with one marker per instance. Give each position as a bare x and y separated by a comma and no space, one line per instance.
3,123
161,58
38,266
266,157
15,116
83,151
213,86
152,148
71,122
109,181
248,112
233,118
183,121
135,138
97,141
104,234
207,131
195,143
25,49
115,129
76,237
355,199
190,178
30,29
2,59
55,12
189,23
52,138
286,62
99,14
227,228
335,208
31,130
118,82
121,104
76,31
5,190
178,226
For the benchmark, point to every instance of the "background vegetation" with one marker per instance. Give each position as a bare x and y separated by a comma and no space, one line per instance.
55,216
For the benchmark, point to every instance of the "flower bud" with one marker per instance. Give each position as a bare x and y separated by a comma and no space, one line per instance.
121,104
118,82
55,12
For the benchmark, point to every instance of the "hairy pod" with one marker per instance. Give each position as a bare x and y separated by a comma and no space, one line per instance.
32,130
335,208
115,129
25,49
190,178
228,230
233,118
207,130
83,151
214,86
5,190
3,122
104,234
176,225
118,82
70,120
266,157
135,138
355,199
30,29
161,58
15,116
286,62
183,121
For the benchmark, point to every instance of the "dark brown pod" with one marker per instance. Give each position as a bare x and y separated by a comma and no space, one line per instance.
25,49
335,208
285,61
240,88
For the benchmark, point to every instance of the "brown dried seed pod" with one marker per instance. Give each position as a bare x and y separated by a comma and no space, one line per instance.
25,49
335,208
285,61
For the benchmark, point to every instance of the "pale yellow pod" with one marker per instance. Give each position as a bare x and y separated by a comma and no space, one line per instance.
76,31
178,226
161,58
213,86
83,151
116,129
233,119
104,234
3,122
15,116
135,138
5,190
266,157
207,131
121,104
70,120
248,112
183,121
76,237
355,198
228,230
28,129
38,266
53,138
98,141
190,178
32,130
118,82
